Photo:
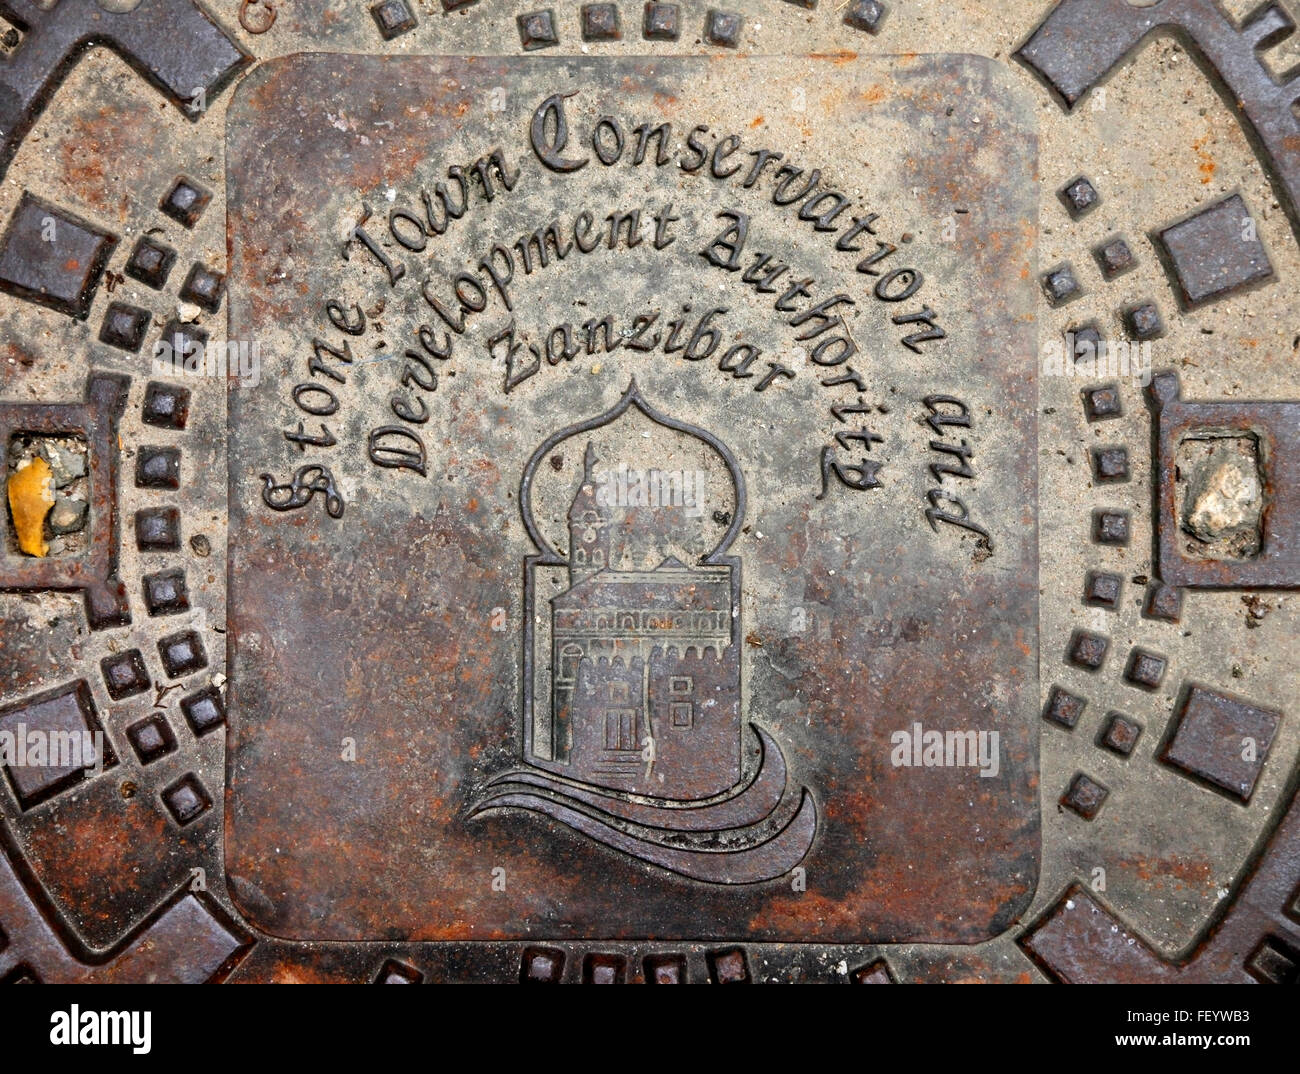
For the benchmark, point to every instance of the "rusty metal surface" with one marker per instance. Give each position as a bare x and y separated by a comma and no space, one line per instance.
1165,194
768,600
1081,42
173,44
1257,939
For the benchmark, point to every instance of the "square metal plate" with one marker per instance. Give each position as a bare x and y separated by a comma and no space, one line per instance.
634,531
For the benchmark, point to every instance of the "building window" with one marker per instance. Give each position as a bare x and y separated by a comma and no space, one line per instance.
683,714
682,684
616,691
570,656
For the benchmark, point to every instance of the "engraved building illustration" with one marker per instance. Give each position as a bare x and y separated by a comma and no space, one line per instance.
646,693
632,732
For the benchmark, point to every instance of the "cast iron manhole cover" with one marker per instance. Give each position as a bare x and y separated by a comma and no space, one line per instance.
648,492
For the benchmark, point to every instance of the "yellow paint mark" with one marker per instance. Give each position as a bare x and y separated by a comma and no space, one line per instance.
31,496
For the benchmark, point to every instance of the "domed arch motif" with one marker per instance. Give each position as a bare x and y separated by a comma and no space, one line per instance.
633,719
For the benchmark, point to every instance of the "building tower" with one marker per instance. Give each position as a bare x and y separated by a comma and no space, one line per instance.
588,526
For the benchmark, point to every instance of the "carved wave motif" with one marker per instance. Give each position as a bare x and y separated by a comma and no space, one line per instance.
748,851
754,802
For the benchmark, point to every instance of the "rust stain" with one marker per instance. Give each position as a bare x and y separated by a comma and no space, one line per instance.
1205,161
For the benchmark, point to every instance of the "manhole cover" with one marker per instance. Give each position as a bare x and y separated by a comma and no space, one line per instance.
595,492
